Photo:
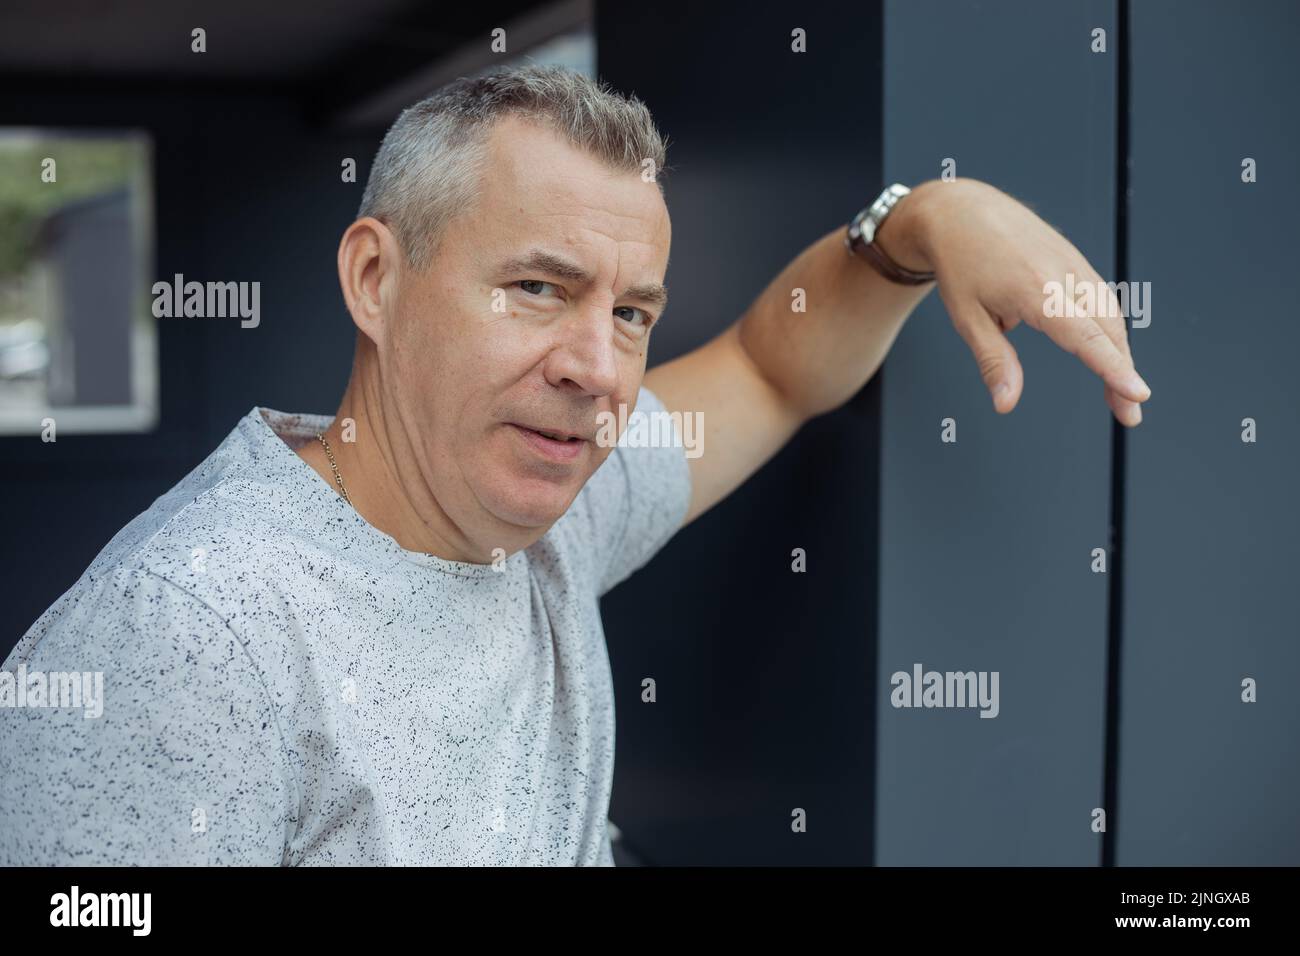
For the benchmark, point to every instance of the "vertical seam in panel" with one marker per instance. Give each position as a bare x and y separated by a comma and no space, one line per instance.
1118,446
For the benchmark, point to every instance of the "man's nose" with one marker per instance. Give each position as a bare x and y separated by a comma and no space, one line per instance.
585,356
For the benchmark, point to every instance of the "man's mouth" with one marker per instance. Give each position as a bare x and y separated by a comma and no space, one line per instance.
553,436
555,445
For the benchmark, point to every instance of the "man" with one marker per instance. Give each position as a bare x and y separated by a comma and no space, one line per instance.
375,637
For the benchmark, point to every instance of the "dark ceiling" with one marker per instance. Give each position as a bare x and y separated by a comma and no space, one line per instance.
246,39
335,53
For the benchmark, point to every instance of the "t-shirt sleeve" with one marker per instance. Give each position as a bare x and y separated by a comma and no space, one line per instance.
636,500
176,759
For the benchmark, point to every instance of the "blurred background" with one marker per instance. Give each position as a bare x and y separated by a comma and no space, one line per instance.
1119,690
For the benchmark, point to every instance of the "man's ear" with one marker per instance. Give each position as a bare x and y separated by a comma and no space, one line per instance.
370,260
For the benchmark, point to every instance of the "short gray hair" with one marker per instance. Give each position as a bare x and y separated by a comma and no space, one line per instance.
428,168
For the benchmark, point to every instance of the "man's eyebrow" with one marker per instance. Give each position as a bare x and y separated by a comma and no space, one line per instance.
539,260
654,293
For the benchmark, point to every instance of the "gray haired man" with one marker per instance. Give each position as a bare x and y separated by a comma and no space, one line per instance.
374,637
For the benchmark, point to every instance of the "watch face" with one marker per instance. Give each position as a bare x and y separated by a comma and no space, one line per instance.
855,226
868,229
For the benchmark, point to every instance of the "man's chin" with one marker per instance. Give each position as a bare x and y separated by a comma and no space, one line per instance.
524,493
535,508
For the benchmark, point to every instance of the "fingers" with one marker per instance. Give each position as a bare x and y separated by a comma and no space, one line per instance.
1126,412
994,354
1111,318
1092,337
1084,338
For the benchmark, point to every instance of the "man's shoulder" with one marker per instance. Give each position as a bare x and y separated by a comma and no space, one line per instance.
233,518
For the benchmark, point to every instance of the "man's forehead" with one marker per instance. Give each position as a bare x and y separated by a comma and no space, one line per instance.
548,208
535,171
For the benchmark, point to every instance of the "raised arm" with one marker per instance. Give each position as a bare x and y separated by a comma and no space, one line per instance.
758,381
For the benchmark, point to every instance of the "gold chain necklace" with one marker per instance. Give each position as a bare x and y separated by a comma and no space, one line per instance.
338,479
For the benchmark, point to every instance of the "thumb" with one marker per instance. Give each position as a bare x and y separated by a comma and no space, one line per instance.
994,354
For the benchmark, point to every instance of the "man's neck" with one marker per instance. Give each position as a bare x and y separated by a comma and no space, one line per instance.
372,457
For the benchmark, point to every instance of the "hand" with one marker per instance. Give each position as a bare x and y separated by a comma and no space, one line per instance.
993,258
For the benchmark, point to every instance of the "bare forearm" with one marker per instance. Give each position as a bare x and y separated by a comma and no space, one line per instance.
776,367
819,358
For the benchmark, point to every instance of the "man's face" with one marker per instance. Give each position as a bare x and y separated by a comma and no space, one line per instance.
534,313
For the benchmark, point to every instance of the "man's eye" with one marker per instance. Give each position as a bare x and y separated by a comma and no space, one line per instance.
533,286
645,319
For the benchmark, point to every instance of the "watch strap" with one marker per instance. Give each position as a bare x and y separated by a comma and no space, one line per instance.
860,238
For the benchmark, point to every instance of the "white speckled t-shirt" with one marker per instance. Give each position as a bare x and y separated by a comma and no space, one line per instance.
284,684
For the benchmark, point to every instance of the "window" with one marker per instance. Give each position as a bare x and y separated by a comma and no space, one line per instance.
77,335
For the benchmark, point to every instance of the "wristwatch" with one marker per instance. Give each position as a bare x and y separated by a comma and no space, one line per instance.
861,238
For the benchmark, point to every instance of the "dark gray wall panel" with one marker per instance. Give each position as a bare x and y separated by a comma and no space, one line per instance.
1213,524
763,675
984,558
